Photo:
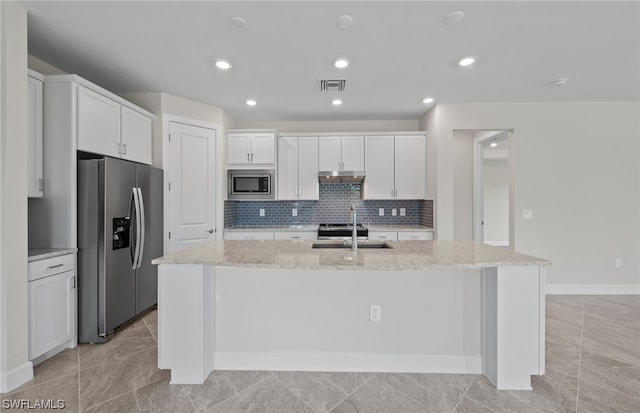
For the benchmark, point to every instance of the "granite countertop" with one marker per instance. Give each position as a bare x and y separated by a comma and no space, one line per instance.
275,228
405,255
398,228
37,254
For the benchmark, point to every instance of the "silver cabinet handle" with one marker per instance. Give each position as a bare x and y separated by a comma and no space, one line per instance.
119,148
252,157
248,157
124,148
54,266
40,185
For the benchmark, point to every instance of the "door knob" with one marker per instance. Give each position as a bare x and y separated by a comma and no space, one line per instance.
210,230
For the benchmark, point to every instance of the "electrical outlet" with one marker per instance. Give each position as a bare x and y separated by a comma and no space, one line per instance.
618,262
294,212
527,214
394,212
375,313
381,212
403,212
261,212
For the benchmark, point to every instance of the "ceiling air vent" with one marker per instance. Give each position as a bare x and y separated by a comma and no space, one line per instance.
336,85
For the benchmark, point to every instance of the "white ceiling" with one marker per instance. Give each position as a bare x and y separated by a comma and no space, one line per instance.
400,52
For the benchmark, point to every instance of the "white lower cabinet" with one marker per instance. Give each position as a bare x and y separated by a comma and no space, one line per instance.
415,235
383,236
52,306
296,235
248,235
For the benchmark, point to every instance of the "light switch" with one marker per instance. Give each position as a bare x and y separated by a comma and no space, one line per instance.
394,212
261,212
381,212
403,212
527,214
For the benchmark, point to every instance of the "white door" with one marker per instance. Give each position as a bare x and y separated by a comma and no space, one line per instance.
288,168
190,178
353,153
379,166
410,171
308,185
329,153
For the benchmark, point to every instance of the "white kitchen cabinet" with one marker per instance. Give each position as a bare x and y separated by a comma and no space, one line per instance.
52,306
395,167
295,235
415,235
341,153
251,148
248,235
34,137
107,127
383,235
298,168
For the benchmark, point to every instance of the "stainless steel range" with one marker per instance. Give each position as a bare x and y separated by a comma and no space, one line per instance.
341,232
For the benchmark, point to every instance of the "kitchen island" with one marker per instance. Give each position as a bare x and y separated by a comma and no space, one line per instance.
447,306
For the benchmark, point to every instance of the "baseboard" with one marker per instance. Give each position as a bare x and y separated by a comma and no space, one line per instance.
356,362
16,377
497,243
592,289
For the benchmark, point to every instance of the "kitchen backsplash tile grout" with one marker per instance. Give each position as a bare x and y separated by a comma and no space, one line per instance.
332,207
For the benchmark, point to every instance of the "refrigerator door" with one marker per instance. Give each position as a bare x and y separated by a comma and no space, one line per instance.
117,300
150,183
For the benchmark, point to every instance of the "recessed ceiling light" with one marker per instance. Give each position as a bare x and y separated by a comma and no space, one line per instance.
223,64
427,100
336,102
344,21
560,81
251,102
454,17
467,61
341,63
493,144
239,23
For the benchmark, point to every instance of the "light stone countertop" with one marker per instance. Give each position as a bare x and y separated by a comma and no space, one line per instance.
405,255
275,228
37,254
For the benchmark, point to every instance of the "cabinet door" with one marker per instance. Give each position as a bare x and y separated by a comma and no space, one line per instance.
308,185
383,236
238,148
51,312
244,235
288,168
379,162
353,153
34,142
295,236
329,158
263,148
136,136
98,123
410,159
415,235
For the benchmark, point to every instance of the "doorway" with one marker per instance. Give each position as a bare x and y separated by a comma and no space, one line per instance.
492,188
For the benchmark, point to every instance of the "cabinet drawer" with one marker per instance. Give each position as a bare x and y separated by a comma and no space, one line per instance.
294,235
50,266
421,235
242,235
383,236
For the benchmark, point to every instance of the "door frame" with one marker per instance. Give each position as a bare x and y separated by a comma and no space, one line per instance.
478,183
219,180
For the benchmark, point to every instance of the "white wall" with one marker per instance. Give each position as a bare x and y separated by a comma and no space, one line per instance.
576,165
13,193
496,200
333,126
463,185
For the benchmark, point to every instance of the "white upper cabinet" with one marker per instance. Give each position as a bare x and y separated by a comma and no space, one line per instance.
298,168
136,136
251,148
34,142
341,153
107,127
395,167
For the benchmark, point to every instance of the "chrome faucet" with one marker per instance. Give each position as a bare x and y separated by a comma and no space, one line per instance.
354,232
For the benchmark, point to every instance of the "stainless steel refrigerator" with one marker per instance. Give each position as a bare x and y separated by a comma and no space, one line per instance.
119,233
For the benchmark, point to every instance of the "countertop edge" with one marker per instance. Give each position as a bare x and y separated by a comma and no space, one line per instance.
37,254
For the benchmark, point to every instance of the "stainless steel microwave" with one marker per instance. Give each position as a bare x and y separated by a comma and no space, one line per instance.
251,184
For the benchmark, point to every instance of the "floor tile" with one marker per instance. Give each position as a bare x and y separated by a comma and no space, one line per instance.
376,396
467,405
563,331
322,390
565,307
124,343
62,364
611,341
439,392
611,374
159,397
221,385
562,357
151,320
267,396
61,392
596,399
106,381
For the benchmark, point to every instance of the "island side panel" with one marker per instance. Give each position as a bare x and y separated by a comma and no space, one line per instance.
514,315
186,322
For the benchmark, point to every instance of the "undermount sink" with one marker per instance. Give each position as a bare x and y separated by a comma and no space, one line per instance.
363,245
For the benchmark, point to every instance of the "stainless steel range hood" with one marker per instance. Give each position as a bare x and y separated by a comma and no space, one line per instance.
344,177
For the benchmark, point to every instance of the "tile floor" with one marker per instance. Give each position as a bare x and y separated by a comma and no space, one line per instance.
593,365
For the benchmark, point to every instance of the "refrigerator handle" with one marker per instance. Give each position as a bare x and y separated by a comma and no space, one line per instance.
136,203
132,212
142,226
